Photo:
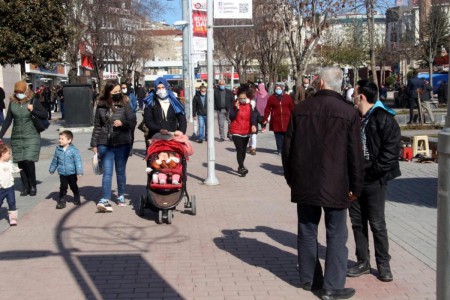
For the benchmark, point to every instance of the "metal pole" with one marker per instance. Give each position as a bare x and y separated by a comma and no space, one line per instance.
232,77
191,71
186,77
212,179
443,211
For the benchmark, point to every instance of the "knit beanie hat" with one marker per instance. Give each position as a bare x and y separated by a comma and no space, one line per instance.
20,86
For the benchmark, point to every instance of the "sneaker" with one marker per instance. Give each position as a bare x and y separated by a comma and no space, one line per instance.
104,206
121,201
199,141
61,204
360,268
221,139
12,216
76,199
242,171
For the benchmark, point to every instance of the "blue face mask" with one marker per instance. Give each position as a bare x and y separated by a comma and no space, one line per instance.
221,87
278,92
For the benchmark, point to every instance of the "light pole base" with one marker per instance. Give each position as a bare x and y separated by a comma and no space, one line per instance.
211,181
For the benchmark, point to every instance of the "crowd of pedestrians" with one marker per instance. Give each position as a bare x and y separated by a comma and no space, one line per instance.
348,148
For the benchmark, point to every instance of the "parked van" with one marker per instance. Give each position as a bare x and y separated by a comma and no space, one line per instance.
200,82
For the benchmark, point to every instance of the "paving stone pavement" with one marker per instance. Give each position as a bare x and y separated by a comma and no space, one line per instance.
240,245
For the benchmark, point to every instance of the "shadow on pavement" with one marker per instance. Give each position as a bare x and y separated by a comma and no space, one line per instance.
125,276
412,191
223,168
279,262
274,169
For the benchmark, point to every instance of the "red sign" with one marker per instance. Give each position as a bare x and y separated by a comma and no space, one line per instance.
199,23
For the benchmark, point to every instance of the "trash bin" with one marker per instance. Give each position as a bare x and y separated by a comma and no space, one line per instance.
78,109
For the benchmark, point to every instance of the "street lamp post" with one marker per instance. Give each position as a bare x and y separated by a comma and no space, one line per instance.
211,179
443,211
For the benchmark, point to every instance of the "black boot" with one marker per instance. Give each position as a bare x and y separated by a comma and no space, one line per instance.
25,185
33,191
61,201
76,199
360,268
384,272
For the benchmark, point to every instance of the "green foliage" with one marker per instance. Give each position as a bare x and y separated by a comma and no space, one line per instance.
32,31
390,80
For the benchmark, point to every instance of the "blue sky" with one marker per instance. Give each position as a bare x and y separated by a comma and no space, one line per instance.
173,11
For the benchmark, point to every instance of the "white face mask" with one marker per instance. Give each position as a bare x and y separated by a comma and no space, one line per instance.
306,85
124,91
161,93
243,101
203,94
20,96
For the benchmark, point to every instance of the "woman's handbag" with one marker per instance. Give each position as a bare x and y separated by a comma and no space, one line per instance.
97,165
39,124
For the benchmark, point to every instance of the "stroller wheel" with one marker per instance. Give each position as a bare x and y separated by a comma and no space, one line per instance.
141,206
193,205
169,216
160,217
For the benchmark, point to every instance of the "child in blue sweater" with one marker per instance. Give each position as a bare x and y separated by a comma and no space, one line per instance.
67,160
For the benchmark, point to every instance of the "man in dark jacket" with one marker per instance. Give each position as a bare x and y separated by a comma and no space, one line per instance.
323,165
223,100
141,94
414,84
199,104
425,97
442,92
381,143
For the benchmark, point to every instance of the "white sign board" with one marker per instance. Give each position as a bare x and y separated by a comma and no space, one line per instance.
232,9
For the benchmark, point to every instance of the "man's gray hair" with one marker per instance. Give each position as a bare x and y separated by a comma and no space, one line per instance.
332,78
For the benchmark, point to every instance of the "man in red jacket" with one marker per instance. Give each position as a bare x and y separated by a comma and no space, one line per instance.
323,165
279,107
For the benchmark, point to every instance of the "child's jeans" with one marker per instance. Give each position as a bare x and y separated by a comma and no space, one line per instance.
8,193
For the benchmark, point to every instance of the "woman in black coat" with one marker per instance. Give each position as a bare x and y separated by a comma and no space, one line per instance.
163,112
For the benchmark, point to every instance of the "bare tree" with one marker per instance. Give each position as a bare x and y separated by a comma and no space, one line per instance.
303,25
268,39
235,45
435,32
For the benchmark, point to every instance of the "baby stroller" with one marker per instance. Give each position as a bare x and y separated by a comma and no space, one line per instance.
166,180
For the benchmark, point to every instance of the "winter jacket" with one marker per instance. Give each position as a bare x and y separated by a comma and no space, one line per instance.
25,140
104,132
322,151
155,120
197,106
229,98
279,108
67,162
414,84
242,119
383,144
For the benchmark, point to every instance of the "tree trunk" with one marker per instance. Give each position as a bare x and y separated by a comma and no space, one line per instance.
371,32
23,73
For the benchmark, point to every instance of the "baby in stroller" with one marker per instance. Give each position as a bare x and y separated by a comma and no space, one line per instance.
164,164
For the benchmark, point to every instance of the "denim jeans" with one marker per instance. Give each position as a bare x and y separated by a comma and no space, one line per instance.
2,117
369,209
111,156
308,247
279,138
8,193
201,127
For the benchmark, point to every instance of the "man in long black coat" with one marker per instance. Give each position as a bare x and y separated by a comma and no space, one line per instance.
323,164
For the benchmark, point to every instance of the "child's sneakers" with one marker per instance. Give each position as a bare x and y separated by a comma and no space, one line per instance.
104,206
12,216
61,201
76,199
121,201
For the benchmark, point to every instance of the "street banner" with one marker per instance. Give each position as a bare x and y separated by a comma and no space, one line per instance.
232,9
199,31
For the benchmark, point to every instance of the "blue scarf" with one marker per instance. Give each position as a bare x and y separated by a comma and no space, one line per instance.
150,99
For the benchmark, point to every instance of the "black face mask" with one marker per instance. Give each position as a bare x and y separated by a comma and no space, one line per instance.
116,97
